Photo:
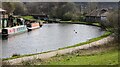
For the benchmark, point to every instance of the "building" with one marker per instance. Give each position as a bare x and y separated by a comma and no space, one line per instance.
97,15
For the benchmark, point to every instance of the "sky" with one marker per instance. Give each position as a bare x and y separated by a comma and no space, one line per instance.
60,0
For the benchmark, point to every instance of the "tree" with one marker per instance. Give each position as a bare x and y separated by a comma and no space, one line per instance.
20,9
113,21
67,16
91,6
68,11
8,6
0,4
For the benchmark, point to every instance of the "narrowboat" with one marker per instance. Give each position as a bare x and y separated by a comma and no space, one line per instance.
31,25
13,25
13,30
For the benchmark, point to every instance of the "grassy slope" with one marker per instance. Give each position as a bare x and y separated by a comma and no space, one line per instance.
104,58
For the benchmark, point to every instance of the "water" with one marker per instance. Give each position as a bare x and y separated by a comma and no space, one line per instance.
49,37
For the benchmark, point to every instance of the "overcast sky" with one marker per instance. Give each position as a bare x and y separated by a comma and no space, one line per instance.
60,0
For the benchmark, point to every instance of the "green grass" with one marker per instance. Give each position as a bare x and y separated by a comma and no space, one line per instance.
104,58
66,21
28,17
41,20
90,23
96,24
31,18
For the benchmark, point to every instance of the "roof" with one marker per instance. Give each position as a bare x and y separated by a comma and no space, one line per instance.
98,12
1,10
104,14
94,13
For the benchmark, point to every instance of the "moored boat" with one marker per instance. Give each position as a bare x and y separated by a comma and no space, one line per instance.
12,25
31,25
13,30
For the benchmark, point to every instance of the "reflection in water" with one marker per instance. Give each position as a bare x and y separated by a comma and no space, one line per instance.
49,37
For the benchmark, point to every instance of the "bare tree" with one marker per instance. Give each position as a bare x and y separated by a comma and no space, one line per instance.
8,6
113,20
20,8
91,6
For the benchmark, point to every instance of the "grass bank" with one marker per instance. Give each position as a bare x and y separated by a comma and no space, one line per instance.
28,17
101,55
31,18
109,57
79,22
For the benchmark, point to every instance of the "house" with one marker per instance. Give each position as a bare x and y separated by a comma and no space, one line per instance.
97,15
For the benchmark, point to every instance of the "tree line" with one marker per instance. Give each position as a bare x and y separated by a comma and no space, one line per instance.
61,10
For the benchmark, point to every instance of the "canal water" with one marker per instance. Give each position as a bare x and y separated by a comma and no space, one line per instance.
48,37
